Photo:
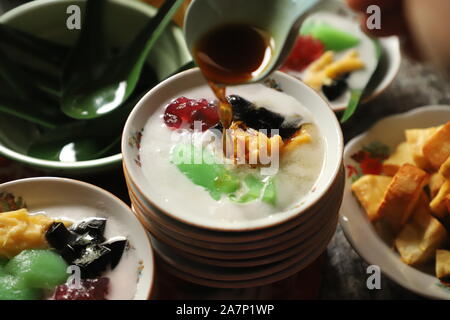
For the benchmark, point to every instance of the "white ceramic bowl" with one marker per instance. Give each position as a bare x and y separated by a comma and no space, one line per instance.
58,197
357,228
181,85
47,19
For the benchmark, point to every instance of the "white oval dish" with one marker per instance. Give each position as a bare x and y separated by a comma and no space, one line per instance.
339,15
75,200
181,84
357,228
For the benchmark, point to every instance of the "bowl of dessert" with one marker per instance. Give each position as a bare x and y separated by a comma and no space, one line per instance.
250,204
336,58
228,194
67,240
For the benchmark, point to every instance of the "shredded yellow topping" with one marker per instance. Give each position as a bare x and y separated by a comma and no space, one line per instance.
249,146
325,69
252,147
21,231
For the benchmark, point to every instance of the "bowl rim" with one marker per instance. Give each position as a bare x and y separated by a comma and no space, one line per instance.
258,226
344,219
112,160
112,197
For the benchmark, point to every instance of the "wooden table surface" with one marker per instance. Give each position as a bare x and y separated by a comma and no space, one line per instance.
343,272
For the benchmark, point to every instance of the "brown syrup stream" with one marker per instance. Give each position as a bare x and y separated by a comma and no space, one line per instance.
231,54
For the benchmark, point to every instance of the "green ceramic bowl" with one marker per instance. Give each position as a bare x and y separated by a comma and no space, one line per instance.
47,19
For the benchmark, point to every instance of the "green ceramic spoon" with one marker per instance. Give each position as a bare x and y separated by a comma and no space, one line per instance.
90,139
21,98
93,97
87,58
34,48
41,59
83,140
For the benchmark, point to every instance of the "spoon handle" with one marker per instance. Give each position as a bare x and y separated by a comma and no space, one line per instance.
90,50
142,44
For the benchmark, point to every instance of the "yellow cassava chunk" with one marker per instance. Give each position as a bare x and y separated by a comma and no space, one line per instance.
438,205
421,236
402,155
437,147
436,182
402,196
442,264
444,171
370,190
418,138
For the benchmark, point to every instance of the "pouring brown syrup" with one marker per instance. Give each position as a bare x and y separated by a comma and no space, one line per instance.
232,54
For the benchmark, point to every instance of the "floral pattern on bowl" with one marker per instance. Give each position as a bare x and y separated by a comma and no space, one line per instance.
134,142
9,202
369,160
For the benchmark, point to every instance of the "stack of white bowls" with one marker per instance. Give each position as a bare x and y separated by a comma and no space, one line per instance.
253,253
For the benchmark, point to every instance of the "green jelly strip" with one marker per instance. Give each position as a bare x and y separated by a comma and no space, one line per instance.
201,168
3,261
332,38
259,189
14,288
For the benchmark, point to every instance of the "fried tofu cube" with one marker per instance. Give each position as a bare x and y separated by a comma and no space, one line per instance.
447,203
445,169
421,236
436,182
437,147
370,190
417,138
439,206
443,264
402,195
402,155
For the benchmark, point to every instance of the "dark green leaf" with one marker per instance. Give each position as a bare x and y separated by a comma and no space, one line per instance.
352,105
